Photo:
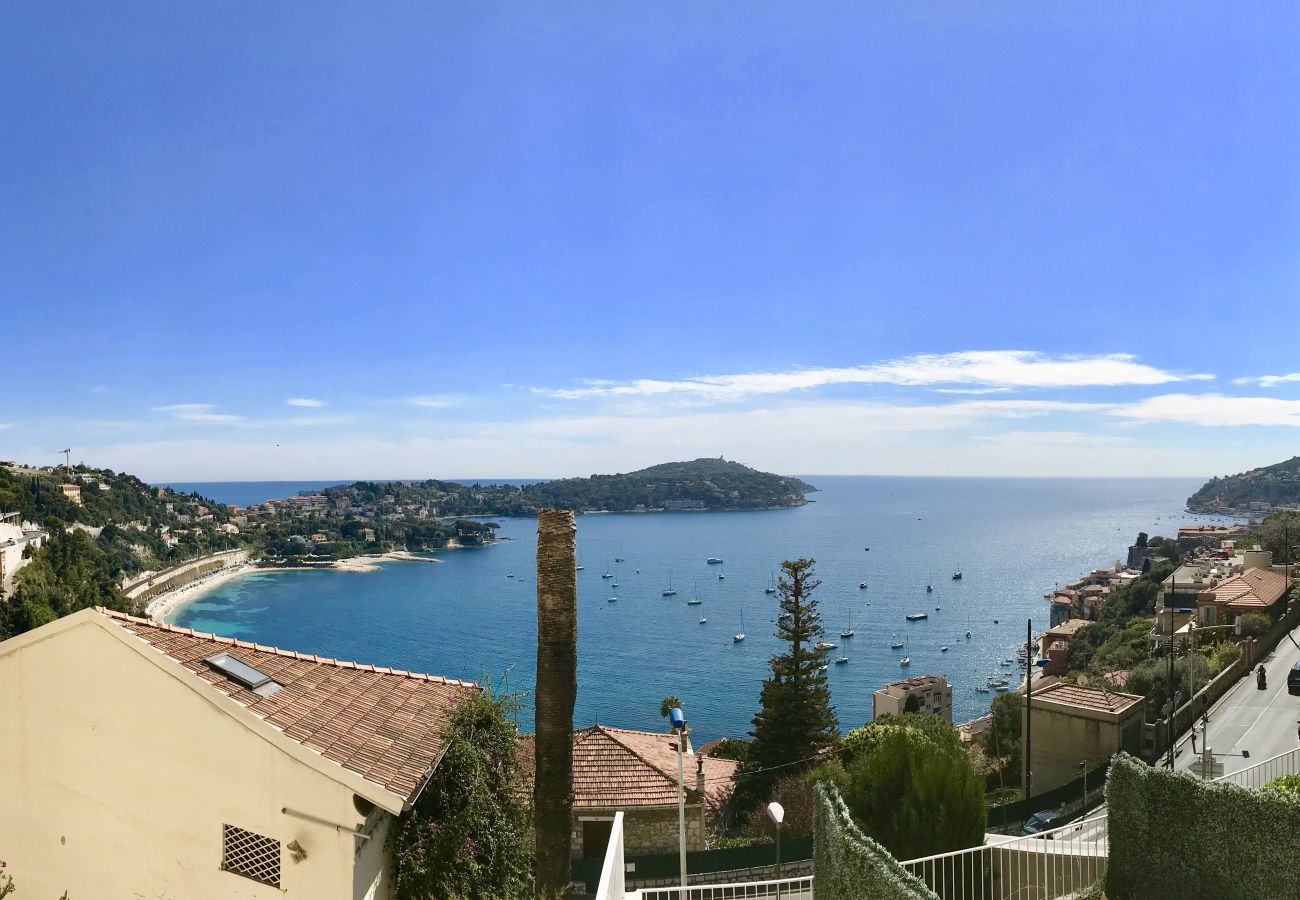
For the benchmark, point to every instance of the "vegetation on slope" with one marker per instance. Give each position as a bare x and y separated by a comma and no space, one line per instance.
1278,484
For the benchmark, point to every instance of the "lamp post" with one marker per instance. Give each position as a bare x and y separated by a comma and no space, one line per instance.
678,719
776,813
1030,662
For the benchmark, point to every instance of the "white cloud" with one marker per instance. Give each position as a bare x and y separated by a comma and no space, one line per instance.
957,439
303,401
6,424
196,412
437,401
987,369
1269,381
1212,410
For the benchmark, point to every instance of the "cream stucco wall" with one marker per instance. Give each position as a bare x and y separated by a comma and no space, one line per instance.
118,776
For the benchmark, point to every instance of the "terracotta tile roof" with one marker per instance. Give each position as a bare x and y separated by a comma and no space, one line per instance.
1067,629
1081,697
1252,589
387,725
619,768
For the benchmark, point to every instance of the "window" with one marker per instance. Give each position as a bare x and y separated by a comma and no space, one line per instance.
251,855
242,672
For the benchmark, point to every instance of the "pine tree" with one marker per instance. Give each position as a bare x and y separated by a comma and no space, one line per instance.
795,721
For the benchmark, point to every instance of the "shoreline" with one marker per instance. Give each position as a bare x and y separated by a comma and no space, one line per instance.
168,603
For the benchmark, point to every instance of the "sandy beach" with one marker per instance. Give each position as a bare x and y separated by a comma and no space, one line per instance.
162,606
165,604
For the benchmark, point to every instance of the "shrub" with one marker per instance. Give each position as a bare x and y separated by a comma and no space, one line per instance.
470,833
1255,624
911,786
1224,654
850,865
1285,784
1230,843
795,794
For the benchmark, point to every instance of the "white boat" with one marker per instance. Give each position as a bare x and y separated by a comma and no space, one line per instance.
510,576
670,591
916,617
905,661
612,600
821,668
847,633
615,584
841,661
703,620
824,645
771,585
943,649
740,635
694,601
714,561
895,643
722,575
619,558
862,585
981,689
956,576
608,575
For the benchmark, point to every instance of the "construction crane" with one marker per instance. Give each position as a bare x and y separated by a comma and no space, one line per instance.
67,456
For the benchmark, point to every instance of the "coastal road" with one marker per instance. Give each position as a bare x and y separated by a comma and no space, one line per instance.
1246,718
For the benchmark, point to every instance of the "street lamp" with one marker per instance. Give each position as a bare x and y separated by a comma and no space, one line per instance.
678,720
776,813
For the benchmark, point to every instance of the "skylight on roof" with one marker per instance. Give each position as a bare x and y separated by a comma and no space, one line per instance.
242,672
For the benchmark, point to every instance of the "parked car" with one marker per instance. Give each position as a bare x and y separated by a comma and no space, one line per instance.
1045,820
1293,680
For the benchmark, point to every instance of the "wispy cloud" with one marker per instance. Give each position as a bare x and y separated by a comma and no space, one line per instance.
437,401
1212,410
310,421
1269,381
980,369
196,412
304,401
6,425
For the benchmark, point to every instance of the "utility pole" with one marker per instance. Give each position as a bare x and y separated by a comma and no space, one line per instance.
1172,705
1029,693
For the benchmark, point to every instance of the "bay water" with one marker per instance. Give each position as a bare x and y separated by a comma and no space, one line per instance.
467,617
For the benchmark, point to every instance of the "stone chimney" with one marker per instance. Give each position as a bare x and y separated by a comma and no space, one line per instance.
699,773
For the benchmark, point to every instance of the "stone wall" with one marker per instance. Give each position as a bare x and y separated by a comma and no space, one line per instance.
647,831
145,589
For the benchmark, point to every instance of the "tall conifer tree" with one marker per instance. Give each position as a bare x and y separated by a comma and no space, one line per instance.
795,721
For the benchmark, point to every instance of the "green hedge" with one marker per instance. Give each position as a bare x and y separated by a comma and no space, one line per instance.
848,865
1172,835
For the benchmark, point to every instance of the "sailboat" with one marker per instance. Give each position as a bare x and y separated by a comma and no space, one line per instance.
740,635
895,643
956,576
929,585
579,567
670,591
848,631
722,576
703,620
695,597
608,574
771,585
907,658
841,660
619,558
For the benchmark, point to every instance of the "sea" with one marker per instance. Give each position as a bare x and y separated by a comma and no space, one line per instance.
472,615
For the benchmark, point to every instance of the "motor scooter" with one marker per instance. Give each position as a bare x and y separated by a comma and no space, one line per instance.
1261,679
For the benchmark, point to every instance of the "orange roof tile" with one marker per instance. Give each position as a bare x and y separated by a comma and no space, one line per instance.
1077,695
1253,589
387,725
619,767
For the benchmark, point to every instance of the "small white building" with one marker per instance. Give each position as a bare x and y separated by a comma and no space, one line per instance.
144,760
16,538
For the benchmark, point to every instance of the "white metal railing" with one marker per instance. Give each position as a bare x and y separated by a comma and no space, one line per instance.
1260,774
1056,863
611,871
783,888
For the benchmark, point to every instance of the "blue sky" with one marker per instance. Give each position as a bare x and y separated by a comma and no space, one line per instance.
520,240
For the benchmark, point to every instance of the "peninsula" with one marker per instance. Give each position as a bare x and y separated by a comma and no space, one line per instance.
1254,493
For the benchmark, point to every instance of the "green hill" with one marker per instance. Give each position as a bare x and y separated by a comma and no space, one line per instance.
1278,484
